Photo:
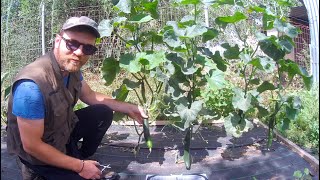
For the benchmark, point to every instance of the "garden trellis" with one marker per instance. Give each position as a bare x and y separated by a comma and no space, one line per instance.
21,30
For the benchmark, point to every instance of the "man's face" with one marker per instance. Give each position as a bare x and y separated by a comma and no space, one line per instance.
72,59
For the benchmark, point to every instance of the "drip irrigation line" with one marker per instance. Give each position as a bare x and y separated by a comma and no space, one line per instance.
230,168
229,146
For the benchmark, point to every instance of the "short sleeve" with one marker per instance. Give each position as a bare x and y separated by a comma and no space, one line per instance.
28,100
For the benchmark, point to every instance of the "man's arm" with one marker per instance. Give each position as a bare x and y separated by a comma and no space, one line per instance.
91,97
31,132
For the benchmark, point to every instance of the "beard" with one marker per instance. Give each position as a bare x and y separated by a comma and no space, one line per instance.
70,63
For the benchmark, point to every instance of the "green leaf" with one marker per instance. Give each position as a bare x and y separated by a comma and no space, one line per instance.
245,57
105,28
267,21
5,89
286,43
186,2
189,115
238,16
285,124
152,8
128,62
291,113
121,93
297,103
189,68
221,63
174,90
179,31
287,28
231,52
285,3
131,85
225,20
263,112
124,6
264,63
171,39
261,9
7,92
255,81
297,174
187,20
260,36
235,126
265,86
141,57
109,69
210,34
218,3
118,20
159,75
155,59
194,31
4,76
140,18
240,101
269,47
216,80
293,68
129,27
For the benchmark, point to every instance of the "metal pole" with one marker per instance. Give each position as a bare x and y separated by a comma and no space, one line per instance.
42,28
206,16
313,15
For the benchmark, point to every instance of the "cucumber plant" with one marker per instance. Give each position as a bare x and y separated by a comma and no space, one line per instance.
253,68
141,60
179,74
182,68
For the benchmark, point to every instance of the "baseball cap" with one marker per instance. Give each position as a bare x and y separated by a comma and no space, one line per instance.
82,21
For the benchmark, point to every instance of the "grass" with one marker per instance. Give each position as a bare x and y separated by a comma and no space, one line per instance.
304,131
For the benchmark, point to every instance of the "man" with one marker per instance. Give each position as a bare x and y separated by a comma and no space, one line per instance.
43,129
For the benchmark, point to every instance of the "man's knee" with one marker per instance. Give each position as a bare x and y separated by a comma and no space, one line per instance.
29,174
103,109
104,113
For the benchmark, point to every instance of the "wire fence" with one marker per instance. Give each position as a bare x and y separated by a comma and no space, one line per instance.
21,31
21,35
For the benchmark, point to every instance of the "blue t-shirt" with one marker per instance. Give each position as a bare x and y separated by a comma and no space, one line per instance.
28,100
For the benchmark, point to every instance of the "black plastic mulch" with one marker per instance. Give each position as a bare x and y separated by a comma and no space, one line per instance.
214,155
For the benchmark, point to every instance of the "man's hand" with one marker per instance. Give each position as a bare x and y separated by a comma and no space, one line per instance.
136,112
90,170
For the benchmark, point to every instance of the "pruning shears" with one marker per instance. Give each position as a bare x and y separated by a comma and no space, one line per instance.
103,167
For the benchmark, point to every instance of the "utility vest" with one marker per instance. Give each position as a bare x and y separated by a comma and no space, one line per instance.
59,101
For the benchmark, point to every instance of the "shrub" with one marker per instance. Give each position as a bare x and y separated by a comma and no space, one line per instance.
304,131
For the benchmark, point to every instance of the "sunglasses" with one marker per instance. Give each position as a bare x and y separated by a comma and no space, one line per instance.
73,45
